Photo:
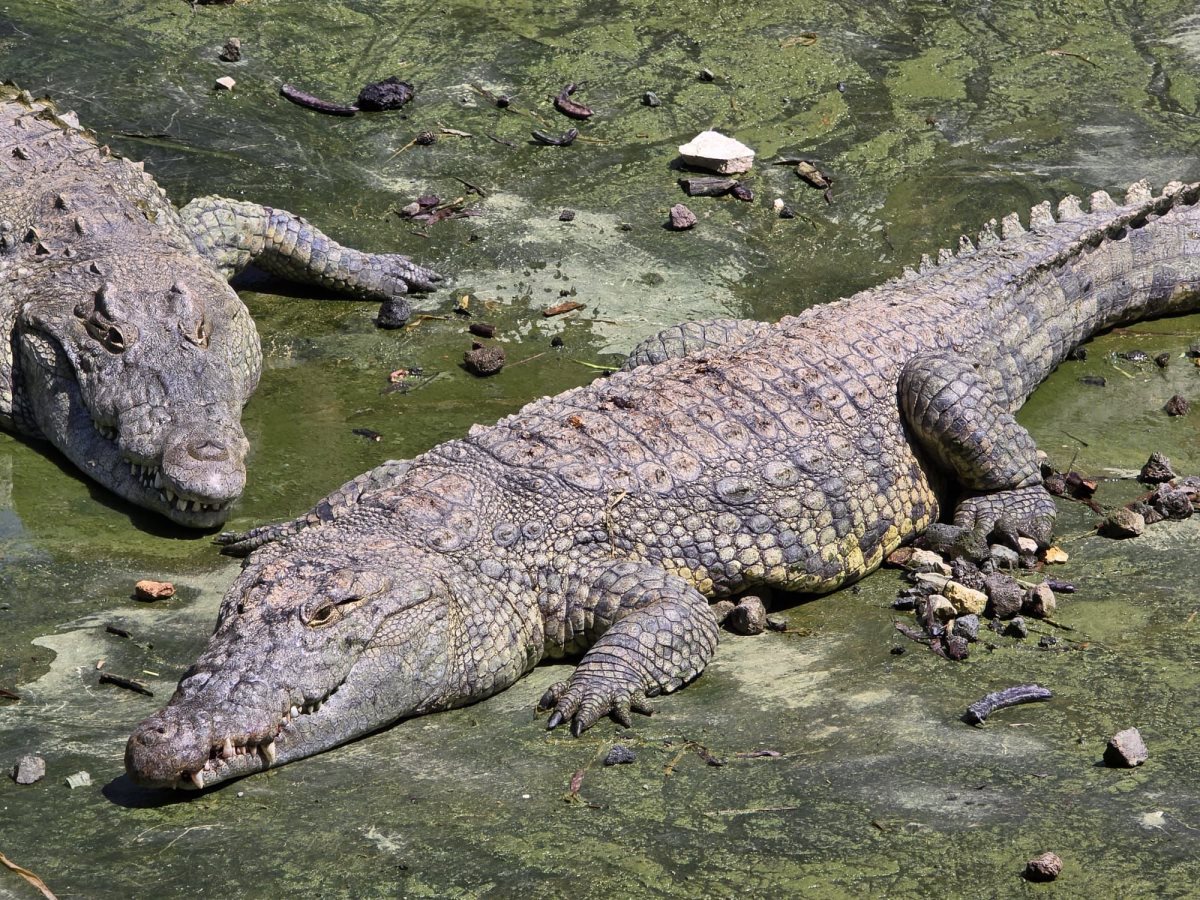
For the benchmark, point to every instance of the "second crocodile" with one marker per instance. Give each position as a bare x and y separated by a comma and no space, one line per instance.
121,341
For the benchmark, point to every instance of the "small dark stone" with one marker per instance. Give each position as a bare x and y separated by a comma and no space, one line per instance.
1040,602
619,755
682,218
484,360
1177,406
1162,360
748,617
776,623
1056,484
567,215
967,627
232,51
556,341
1078,354
1047,642
1171,503
898,651
482,329
651,99
29,769
841,86
393,313
391,93
706,75
904,604
1017,629
1004,557
957,648
1126,750
1122,523
966,573
503,101
1005,595
787,212
1138,356
1157,470
428,201
740,192
1046,867
425,138
1059,586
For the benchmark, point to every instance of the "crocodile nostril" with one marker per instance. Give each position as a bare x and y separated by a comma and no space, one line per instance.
208,450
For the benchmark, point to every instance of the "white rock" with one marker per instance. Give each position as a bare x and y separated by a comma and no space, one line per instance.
718,153
225,84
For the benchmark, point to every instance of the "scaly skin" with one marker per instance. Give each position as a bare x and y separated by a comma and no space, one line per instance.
122,343
602,520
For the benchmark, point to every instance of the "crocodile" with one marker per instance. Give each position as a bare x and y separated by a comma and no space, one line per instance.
123,344
601,522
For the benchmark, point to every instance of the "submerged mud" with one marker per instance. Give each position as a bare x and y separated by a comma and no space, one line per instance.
931,120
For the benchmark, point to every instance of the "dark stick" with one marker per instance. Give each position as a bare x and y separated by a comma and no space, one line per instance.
300,98
562,140
128,683
1013,696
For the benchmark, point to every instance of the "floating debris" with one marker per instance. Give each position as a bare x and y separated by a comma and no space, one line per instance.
391,93
571,108
560,308
369,433
482,329
1126,750
310,101
128,683
714,151
706,75
682,218
149,591
119,632
813,176
1137,356
563,140
1046,867
707,186
978,711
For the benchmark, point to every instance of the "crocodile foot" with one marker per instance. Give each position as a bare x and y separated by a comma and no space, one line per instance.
587,697
1019,512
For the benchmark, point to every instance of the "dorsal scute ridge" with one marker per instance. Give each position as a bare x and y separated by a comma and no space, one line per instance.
944,256
1099,201
1069,208
1040,217
1011,227
987,234
1138,192
965,245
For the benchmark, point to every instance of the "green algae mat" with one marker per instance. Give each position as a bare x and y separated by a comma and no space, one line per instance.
931,118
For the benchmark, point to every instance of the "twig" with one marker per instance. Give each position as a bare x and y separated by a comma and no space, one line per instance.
128,683
598,366
748,811
28,876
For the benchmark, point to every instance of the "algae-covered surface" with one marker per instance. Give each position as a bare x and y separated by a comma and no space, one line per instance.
932,118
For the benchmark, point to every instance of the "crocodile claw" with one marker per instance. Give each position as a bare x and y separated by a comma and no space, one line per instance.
584,701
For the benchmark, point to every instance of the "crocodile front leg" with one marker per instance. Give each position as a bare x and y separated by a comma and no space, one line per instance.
233,234
650,633
955,416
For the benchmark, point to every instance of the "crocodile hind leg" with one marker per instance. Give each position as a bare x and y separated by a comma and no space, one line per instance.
233,234
328,510
956,417
650,633
687,338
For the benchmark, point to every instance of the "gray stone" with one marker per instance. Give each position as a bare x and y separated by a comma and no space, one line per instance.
1046,867
718,153
1004,557
748,617
967,627
1126,749
1017,629
1122,523
1005,594
29,769
1040,603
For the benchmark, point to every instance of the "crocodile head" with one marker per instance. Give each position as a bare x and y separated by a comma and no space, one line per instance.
308,654
141,383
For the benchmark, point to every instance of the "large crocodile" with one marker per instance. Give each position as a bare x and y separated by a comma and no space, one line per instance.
794,455
121,341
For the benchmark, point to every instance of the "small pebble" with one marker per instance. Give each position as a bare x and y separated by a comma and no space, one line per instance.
619,755
425,138
482,361
556,341
1162,360
1126,750
776,623
682,218
957,648
1005,595
1157,470
393,313
147,590
967,627
1122,523
1170,503
567,215
721,610
29,770
1046,867
1004,557
78,780
787,212
1055,555
778,204
482,329
707,75
1040,603
225,83
936,608
965,600
927,561
1078,354
748,617
232,51
741,192
651,99
1017,628
1177,406
898,651
1047,642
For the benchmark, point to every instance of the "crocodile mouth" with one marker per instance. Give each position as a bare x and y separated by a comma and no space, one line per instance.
237,756
156,488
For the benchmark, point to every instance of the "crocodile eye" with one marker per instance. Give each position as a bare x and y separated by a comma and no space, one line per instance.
321,615
327,612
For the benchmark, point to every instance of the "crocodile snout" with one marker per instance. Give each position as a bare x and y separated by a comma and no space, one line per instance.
208,450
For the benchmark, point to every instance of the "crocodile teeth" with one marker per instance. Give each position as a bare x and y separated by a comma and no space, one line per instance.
294,711
228,751
181,504
157,479
197,778
268,752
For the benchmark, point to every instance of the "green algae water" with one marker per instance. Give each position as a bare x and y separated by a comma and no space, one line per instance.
931,118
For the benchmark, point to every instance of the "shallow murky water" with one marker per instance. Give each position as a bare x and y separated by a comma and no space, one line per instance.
933,117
